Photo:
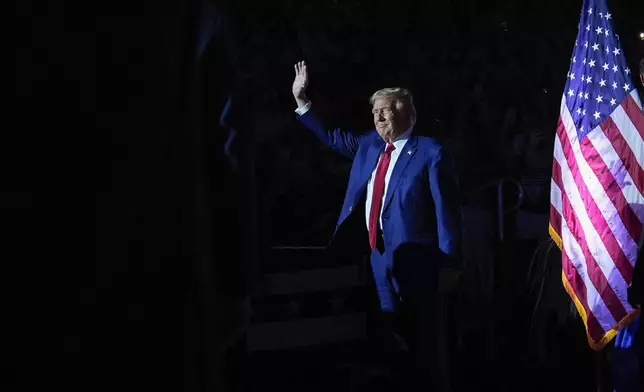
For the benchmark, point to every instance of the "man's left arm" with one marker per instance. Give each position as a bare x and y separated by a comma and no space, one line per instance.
444,187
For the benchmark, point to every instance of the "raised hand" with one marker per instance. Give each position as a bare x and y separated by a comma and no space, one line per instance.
300,84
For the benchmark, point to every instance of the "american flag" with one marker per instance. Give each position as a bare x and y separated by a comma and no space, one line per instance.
597,188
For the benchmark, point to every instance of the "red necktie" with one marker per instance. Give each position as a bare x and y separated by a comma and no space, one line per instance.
378,190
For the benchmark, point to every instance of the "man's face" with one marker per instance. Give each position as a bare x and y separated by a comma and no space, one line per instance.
389,121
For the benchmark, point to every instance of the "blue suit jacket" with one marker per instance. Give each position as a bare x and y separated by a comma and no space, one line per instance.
421,217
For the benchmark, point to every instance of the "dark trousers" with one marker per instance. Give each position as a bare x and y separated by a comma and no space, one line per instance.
424,363
412,343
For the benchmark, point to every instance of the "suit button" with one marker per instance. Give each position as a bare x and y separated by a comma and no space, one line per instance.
350,208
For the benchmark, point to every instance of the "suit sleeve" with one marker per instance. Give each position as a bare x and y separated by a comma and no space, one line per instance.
444,188
339,140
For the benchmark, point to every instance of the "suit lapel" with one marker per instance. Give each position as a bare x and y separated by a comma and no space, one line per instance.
406,155
371,161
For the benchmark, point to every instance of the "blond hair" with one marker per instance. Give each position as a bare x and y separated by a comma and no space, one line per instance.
401,96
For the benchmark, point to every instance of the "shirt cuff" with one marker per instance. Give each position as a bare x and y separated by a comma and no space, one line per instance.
301,111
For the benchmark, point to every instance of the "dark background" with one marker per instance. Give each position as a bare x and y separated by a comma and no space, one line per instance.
468,63
107,186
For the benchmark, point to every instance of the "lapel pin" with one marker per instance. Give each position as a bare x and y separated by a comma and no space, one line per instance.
409,152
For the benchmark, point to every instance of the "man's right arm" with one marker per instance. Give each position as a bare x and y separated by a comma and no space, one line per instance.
340,141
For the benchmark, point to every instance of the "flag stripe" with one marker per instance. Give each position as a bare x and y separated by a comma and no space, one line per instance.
623,246
597,277
556,176
618,183
633,108
555,220
598,206
627,156
597,274
633,98
584,286
555,199
595,331
599,195
577,213
587,211
628,116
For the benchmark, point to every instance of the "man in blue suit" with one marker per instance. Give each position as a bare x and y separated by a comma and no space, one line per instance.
402,206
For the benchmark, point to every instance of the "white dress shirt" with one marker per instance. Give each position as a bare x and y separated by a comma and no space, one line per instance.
399,144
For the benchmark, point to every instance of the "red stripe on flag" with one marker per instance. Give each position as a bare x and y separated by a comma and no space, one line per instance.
555,220
595,331
611,187
634,113
624,210
556,174
596,275
624,152
555,217
596,217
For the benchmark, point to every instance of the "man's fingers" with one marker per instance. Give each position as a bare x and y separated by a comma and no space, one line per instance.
300,68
